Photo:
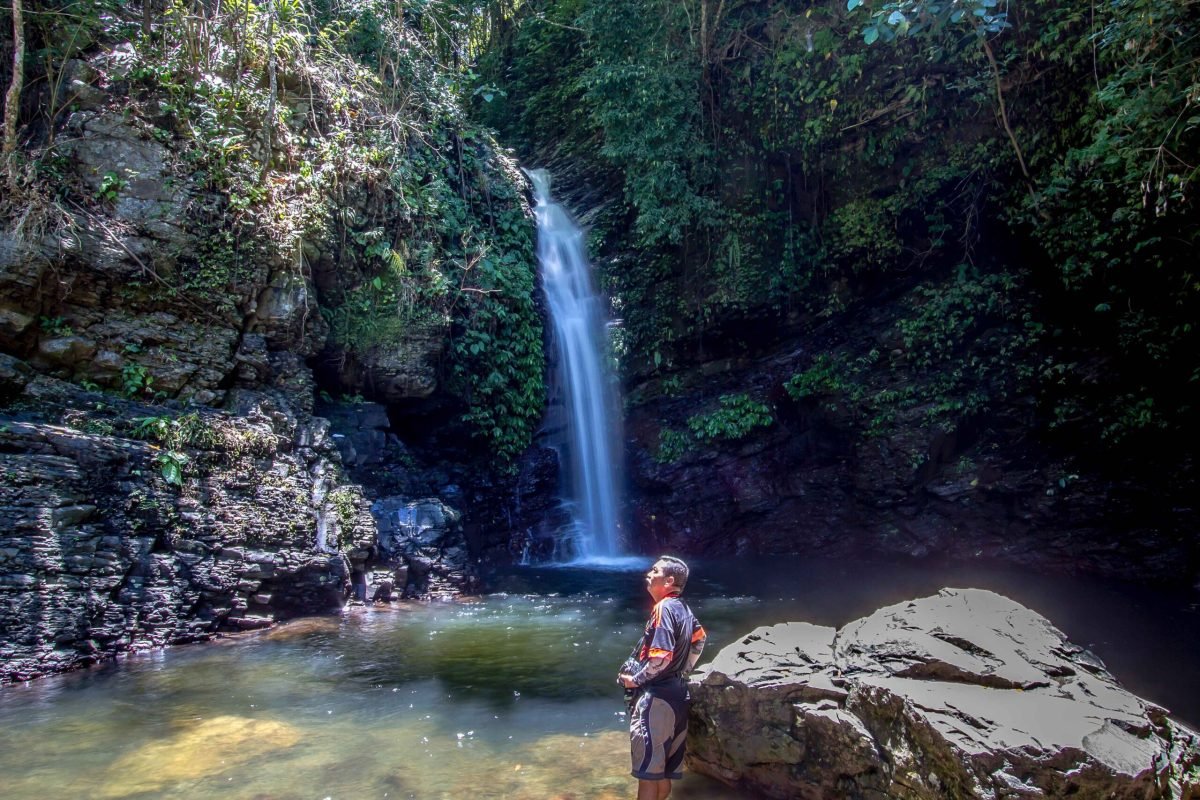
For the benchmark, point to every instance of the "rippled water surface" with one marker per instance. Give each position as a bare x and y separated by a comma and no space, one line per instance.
510,696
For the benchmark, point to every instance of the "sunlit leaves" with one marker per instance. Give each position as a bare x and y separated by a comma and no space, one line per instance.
914,17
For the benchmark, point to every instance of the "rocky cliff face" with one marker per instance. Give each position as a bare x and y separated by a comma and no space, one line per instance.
177,287
105,550
814,479
163,477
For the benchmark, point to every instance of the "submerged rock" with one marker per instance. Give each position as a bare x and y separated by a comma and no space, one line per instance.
304,627
207,748
963,694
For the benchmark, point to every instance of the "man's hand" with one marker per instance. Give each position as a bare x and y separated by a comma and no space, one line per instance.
626,680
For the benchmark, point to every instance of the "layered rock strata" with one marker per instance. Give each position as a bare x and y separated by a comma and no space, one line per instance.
101,553
963,694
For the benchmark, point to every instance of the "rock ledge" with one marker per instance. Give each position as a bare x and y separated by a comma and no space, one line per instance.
962,694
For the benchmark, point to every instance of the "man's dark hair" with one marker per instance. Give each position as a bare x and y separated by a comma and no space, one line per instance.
675,568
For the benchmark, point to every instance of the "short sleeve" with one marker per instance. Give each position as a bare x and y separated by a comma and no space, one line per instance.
662,639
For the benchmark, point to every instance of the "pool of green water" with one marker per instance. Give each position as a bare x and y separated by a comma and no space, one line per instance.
510,695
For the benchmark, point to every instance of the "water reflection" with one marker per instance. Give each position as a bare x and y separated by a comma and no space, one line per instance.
510,696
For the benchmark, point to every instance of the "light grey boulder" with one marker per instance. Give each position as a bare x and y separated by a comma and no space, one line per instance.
963,694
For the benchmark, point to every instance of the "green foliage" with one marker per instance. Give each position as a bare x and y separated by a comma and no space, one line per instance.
380,311
499,362
740,188
820,379
463,266
176,433
966,345
973,343
862,234
737,417
153,428
673,445
800,169
950,314
334,126
110,187
221,264
438,247
55,326
547,39
345,506
171,465
969,344
99,427
136,380
765,165
913,17
1116,216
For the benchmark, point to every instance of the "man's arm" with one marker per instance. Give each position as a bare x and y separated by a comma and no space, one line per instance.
649,671
698,640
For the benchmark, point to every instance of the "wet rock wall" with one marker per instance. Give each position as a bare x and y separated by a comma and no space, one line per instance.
101,554
813,481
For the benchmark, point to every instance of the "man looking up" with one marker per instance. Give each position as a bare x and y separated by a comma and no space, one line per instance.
669,649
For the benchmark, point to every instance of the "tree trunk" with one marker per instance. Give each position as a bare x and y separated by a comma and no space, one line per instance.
12,100
268,127
1012,137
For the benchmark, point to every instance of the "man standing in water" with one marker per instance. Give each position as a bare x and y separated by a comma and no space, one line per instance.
657,672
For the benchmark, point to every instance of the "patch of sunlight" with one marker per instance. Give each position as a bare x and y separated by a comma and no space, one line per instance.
209,747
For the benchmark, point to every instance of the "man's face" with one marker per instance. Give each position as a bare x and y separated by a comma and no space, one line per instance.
658,584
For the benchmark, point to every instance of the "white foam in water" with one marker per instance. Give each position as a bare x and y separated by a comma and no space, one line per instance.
611,563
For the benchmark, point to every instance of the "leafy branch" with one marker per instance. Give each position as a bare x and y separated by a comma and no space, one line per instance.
983,18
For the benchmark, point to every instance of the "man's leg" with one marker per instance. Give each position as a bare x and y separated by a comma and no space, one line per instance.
653,790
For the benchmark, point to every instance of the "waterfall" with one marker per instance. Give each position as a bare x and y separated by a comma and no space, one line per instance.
591,444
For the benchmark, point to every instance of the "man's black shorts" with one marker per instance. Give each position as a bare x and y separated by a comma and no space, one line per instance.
658,731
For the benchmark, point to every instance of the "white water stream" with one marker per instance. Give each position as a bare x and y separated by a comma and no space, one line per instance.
591,445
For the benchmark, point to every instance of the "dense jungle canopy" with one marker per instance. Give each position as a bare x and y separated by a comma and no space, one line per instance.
1007,187
1021,173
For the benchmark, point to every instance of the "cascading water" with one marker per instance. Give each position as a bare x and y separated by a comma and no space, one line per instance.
591,445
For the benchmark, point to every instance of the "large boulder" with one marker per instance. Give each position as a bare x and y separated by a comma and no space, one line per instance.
963,694
425,538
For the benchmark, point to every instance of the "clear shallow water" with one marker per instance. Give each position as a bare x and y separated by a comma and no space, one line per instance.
511,696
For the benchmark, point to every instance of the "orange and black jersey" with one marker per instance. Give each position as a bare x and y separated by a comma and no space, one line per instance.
673,634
